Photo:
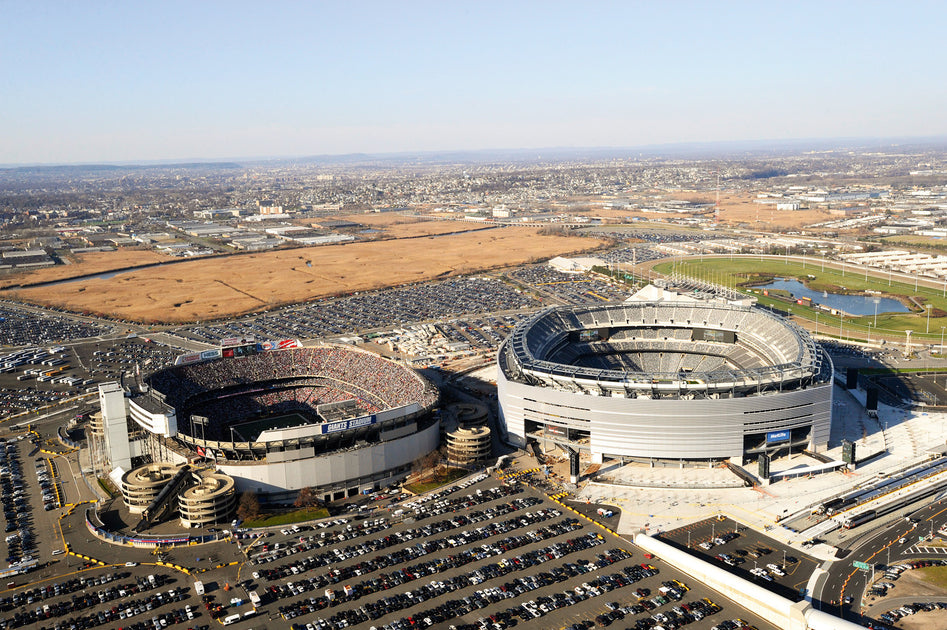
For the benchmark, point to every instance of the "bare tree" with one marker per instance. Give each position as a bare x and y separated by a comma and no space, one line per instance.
249,506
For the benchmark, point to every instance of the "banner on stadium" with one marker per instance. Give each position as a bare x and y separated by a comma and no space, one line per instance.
345,425
184,359
774,437
234,347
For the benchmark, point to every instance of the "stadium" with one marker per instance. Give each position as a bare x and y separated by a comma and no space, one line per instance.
661,380
279,417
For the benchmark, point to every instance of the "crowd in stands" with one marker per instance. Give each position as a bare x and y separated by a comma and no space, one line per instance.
295,379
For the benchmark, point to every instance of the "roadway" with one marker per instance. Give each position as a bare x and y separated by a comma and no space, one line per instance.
878,545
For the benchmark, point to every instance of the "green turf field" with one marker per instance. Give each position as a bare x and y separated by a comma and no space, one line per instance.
739,272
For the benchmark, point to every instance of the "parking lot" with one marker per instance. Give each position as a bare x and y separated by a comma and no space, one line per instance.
746,553
370,311
570,288
22,327
483,555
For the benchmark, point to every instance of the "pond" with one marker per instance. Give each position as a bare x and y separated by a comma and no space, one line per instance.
851,304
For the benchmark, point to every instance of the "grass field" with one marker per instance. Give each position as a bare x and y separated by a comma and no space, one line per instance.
433,483
737,271
287,518
936,576
226,286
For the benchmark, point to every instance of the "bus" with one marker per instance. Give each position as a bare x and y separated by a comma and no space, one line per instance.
854,521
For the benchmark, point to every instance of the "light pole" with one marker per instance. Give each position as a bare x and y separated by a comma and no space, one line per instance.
869,334
942,339
876,300
928,307
817,323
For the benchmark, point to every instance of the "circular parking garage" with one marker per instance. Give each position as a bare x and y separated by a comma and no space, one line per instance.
209,501
142,485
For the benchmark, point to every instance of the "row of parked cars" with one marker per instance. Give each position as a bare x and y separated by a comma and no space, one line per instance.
46,484
16,506
382,542
419,570
895,614
722,539
125,606
427,545
532,609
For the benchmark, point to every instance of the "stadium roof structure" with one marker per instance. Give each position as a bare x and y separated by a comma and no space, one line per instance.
766,352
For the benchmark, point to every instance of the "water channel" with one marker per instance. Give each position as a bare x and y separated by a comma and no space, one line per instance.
851,304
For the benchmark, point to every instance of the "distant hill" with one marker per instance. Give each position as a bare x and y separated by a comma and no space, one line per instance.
78,169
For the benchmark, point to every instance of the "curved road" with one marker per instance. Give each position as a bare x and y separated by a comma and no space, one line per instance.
877,547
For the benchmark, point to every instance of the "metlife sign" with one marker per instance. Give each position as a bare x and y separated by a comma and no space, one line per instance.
775,437
345,425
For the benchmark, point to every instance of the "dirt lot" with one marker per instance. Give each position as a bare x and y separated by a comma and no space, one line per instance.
912,587
735,209
221,287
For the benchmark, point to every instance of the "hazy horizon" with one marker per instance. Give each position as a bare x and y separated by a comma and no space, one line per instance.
105,82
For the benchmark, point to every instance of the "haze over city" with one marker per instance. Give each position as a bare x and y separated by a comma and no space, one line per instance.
112,82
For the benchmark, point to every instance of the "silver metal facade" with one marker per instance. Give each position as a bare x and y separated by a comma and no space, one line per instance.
786,382
665,428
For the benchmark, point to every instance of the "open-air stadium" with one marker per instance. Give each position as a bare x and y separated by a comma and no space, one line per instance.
276,420
664,380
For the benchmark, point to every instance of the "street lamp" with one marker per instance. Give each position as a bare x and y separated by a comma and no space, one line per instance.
928,307
876,300
942,339
869,334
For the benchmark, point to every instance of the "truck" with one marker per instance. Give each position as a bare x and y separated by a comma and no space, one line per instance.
254,598
199,587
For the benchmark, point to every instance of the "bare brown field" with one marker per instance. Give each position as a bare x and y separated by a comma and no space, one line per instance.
411,227
85,264
739,208
214,288
735,208
393,225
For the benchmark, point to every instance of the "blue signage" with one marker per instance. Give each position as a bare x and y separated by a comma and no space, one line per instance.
775,437
345,425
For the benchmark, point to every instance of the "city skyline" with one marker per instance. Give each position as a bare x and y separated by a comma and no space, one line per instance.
107,82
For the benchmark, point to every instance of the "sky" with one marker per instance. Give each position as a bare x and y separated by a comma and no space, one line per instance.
108,82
